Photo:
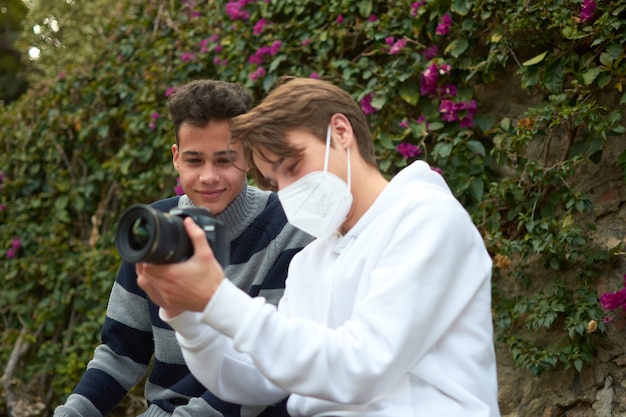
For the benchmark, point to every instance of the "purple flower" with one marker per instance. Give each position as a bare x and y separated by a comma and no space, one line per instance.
179,188
415,7
169,91
258,27
234,10
188,56
11,253
16,243
389,40
437,170
408,150
366,104
306,42
155,116
314,75
448,90
259,73
611,301
275,47
428,83
431,52
444,69
447,109
372,18
587,9
339,18
3,207
444,25
404,124
397,47
204,43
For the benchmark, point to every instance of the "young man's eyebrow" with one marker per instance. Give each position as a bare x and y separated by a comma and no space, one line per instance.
224,152
218,153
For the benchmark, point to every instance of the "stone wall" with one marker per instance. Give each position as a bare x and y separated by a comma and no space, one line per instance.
600,389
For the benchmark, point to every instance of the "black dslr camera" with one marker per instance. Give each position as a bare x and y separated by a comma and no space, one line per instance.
145,234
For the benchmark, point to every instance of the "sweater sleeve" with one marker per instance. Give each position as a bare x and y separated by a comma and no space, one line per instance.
122,358
416,290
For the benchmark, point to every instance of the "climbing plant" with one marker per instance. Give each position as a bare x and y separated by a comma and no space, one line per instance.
83,145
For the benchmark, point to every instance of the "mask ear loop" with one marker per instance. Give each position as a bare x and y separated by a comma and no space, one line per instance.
349,170
327,157
327,152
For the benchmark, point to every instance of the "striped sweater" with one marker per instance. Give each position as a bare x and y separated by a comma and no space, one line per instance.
135,341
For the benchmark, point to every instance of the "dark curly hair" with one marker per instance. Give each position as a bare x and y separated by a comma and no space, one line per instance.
201,101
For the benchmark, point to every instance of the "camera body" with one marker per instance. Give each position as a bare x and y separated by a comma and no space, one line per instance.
145,234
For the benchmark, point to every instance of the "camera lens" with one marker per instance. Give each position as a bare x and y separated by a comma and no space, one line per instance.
148,235
139,234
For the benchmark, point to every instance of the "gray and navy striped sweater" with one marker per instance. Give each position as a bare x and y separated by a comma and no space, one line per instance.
135,340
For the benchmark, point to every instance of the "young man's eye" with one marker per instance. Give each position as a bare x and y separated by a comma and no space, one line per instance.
193,161
225,161
292,167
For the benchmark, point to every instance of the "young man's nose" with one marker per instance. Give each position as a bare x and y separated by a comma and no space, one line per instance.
209,174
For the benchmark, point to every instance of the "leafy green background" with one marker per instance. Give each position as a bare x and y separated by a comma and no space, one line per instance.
92,137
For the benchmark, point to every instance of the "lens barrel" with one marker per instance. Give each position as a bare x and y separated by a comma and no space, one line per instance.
145,234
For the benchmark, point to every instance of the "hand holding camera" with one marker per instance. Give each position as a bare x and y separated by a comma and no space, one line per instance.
160,242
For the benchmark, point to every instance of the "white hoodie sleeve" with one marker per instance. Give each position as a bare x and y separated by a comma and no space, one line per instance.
237,379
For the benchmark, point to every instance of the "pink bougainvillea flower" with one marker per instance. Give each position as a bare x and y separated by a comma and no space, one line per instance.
428,83
586,10
259,73
389,40
204,43
372,18
448,90
366,104
314,75
408,150
178,189
437,170
415,7
397,46
3,207
431,52
443,28
234,9
613,300
169,91
339,18
188,56
448,111
258,27
16,243
444,69
11,253
275,47
404,124
305,42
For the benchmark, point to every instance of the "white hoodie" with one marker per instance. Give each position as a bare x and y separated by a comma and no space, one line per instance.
392,319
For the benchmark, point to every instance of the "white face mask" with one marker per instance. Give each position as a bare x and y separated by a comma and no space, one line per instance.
319,202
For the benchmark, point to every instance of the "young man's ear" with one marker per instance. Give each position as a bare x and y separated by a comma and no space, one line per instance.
175,155
341,130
